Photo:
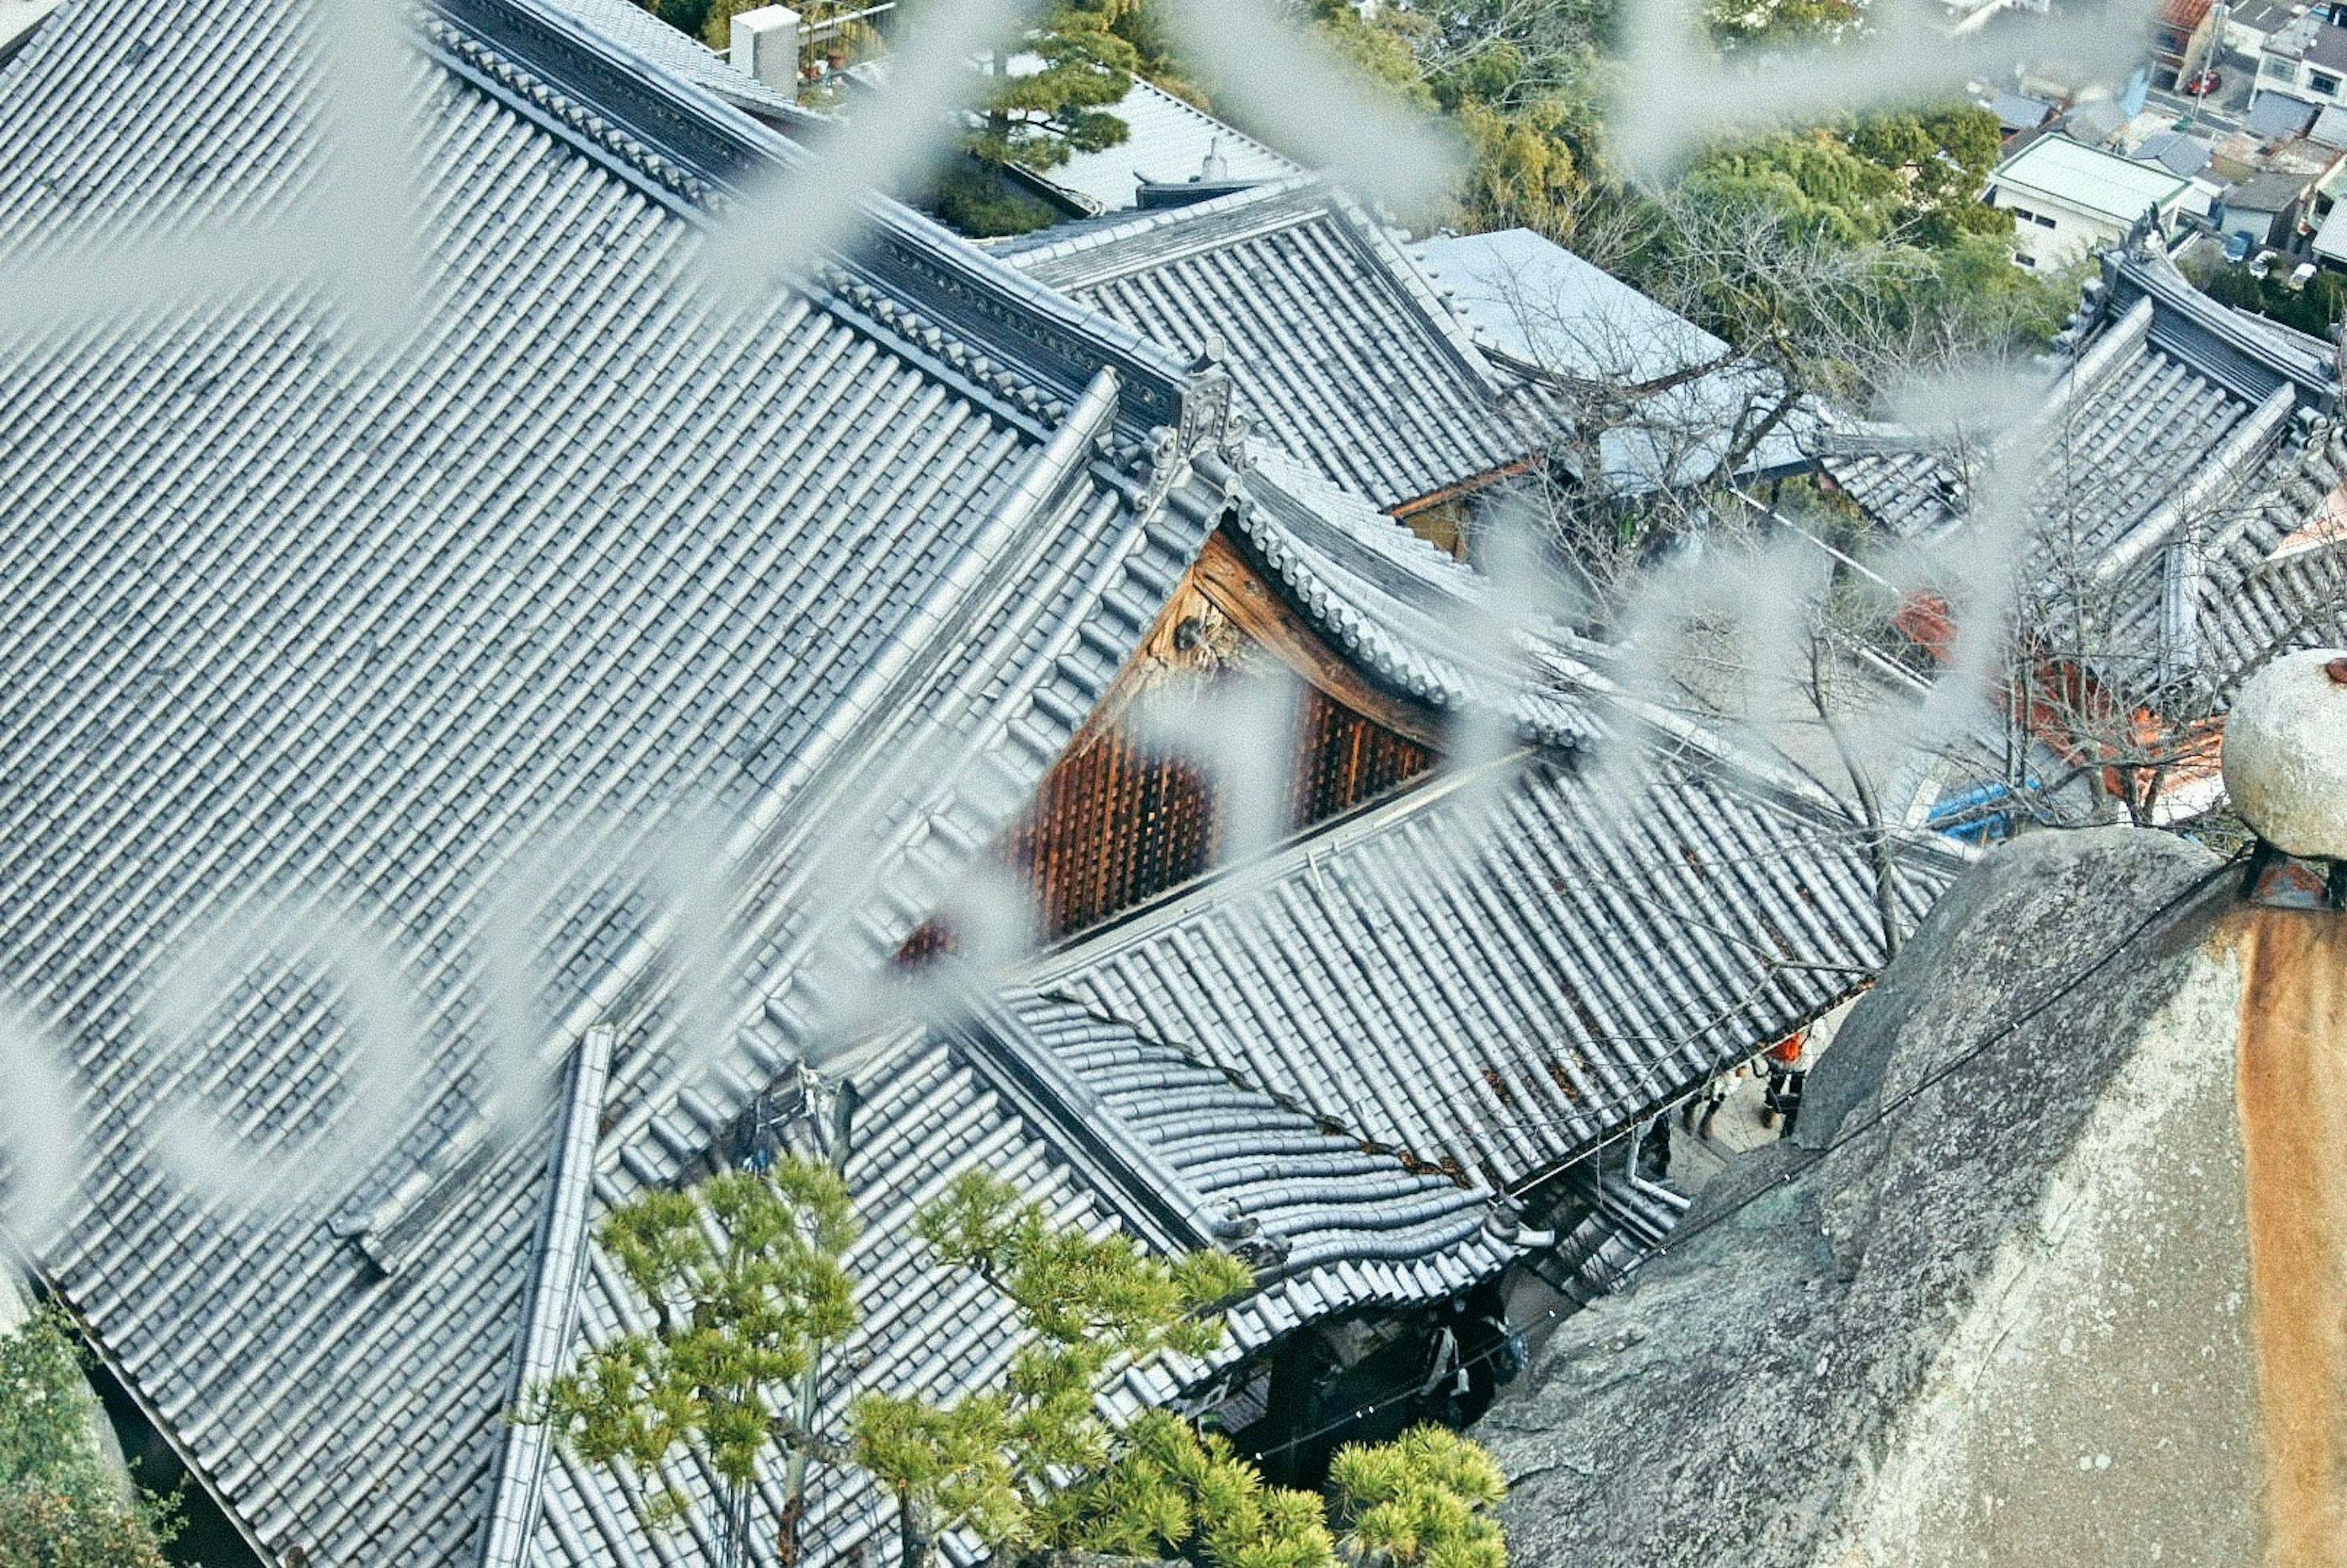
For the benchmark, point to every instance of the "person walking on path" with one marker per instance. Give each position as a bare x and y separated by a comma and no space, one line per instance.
1701,1109
1788,1066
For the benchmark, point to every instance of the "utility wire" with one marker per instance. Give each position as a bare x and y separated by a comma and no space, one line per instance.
1803,1166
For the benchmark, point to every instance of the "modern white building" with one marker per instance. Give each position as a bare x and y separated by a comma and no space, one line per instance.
2251,24
2307,59
2067,198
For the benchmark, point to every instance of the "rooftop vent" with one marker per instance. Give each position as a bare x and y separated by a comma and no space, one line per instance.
767,46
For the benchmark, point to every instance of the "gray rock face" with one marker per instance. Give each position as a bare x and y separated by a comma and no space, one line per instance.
1992,1310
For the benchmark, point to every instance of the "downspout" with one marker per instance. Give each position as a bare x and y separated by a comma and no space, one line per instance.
550,1312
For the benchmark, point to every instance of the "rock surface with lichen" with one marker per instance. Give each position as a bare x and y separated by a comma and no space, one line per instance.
1991,1308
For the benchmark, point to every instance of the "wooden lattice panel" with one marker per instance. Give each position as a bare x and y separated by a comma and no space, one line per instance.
1115,824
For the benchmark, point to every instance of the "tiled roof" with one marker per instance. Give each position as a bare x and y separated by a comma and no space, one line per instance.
1495,979
1584,339
2185,443
296,612
2177,152
2274,116
670,49
2018,112
2272,191
1342,351
292,609
1331,1225
1168,142
1394,602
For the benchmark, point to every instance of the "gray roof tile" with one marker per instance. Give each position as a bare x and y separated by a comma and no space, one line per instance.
571,550
1342,351
2187,443
1497,994
575,548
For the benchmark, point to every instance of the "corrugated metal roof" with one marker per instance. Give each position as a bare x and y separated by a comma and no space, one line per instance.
2088,177
2018,112
2179,154
2331,240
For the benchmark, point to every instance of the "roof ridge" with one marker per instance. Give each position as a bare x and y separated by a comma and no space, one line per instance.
2155,278
1198,213
1421,288
551,1309
1036,350
1148,1037
1153,1197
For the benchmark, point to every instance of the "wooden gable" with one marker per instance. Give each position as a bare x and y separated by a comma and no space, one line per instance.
1116,822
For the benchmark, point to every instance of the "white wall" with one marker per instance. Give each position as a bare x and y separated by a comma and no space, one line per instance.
2277,73
2049,249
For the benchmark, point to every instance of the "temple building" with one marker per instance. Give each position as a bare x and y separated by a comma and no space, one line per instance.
424,622
2185,482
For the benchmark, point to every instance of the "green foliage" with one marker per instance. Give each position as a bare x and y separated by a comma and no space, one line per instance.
1982,298
1176,1492
1043,119
1942,157
1086,1304
979,200
1815,180
59,1507
1914,177
1427,1498
743,1281
2317,309
1144,26
1523,169
1734,24
1875,221
1380,51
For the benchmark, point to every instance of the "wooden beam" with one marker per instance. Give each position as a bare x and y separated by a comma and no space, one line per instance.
1226,579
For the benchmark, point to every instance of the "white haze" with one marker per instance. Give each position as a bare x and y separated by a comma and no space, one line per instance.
353,247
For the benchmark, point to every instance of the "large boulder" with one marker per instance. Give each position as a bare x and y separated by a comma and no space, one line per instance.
1995,1305
2286,753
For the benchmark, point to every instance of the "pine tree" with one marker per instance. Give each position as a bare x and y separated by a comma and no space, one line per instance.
1083,68
743,1289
